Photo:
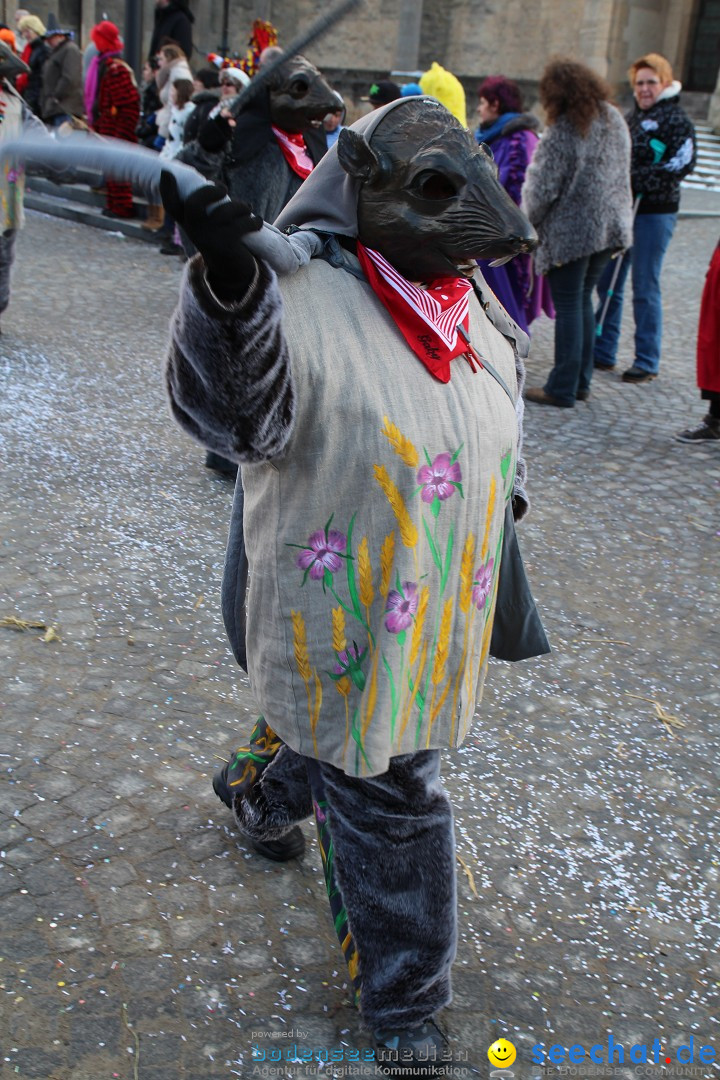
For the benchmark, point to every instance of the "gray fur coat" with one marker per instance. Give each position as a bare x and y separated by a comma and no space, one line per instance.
577,190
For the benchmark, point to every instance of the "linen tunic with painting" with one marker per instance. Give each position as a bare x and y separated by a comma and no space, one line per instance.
374,536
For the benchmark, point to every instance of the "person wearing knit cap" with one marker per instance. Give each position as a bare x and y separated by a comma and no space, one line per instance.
34,55
112,100
62,89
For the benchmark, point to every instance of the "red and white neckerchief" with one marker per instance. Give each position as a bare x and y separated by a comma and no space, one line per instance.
295,151
433,321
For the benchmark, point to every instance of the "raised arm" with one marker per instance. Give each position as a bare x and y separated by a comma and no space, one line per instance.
228,368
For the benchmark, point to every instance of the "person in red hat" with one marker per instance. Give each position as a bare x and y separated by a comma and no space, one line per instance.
112,101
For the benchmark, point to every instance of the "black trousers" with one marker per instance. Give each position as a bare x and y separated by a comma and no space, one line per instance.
388,852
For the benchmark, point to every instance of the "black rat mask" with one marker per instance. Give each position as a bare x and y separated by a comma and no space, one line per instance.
299,96
429,198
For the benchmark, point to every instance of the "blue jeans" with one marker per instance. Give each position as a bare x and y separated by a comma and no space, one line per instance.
572,286
651,235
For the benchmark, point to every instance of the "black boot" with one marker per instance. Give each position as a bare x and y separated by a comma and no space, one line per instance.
286,847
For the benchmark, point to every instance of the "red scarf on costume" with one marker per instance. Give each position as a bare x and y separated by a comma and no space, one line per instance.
427,318
295,152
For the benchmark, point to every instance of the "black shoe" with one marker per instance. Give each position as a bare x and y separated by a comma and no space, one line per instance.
290,846
637,375
707,431
582,395
422,1050
603,367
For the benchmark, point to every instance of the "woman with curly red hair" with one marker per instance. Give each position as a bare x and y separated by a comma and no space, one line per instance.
577,195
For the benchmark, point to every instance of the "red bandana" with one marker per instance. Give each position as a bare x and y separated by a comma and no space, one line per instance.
428,318
295,151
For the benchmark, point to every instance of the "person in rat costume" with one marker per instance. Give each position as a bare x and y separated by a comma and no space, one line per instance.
272,145
380,442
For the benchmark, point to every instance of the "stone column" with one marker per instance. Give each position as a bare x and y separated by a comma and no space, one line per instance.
714,109
407,49
87,21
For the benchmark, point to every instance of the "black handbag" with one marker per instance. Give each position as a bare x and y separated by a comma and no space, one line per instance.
517,632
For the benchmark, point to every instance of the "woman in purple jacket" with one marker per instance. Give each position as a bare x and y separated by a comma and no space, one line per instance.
512,136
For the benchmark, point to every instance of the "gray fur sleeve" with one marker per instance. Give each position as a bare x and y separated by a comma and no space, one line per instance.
228,368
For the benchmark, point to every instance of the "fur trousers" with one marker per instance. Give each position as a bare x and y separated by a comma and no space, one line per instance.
388,851
7,258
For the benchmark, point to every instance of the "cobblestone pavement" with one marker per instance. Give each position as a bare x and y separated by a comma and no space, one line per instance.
140,939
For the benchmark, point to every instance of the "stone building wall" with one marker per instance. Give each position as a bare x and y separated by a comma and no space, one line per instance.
472,38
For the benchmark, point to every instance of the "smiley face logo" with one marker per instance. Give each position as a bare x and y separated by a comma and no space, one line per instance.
502,1054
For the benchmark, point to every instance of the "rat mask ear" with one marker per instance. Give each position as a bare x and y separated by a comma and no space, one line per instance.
358,158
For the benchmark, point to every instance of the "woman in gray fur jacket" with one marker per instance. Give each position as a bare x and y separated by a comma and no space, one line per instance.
577,195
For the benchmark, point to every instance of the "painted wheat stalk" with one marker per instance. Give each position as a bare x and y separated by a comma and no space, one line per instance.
419,624
366,591
307,674
400,444
338,625
488,520
370,698
408,530
411,702
437,675
302,658
467,564
466,574
487,634
443,644
387,553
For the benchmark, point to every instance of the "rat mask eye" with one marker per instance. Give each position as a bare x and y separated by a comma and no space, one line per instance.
299,87
433,186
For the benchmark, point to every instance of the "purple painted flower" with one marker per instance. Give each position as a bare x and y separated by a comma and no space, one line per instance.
400,608
439,479
345,659
321,554
482,584
350,664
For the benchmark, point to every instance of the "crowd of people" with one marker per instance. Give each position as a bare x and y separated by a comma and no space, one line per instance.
602,191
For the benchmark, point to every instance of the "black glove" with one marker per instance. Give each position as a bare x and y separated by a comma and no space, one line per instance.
216,224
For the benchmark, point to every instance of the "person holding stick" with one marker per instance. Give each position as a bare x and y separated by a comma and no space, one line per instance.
663,152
